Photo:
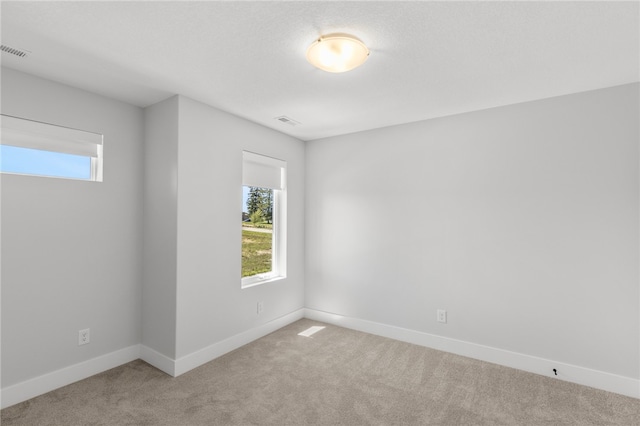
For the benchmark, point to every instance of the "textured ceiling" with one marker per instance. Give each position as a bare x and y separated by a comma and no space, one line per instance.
428,59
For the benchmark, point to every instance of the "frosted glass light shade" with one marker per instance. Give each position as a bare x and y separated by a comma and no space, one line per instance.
337,53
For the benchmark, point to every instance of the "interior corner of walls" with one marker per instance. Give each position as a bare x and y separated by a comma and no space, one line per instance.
31,388
567,372
158,360
211,352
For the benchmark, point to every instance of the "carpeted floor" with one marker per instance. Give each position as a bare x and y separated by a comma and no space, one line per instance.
335,377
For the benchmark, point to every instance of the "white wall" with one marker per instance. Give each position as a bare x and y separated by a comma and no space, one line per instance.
150,256
192,298
521,222
71,250
160,227
211,306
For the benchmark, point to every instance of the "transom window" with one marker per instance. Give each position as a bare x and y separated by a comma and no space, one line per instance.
30,147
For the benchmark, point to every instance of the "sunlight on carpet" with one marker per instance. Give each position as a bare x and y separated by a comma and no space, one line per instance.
310,331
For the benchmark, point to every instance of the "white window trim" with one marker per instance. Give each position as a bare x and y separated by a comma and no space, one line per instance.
279,247
31,134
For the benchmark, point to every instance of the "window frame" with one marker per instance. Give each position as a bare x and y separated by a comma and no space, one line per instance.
279,223
40,136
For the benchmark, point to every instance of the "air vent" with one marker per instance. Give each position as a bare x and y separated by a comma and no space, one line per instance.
14,51
287,120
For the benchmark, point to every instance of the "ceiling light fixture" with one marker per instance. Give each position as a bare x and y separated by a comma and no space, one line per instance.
337,52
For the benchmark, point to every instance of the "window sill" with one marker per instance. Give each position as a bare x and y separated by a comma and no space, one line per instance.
257,280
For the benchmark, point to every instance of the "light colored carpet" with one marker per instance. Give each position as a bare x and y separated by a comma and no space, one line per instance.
336,377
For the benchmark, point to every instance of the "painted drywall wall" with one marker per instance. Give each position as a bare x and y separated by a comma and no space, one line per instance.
160,227
520,221
71,250
211,306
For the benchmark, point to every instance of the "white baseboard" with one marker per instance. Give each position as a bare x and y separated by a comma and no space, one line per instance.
198,358
571,373
158,360
31,388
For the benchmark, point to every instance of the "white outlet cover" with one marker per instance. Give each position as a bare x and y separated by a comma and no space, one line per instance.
442,316
84,336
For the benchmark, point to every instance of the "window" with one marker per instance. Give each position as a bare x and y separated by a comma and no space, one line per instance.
33,148
263,219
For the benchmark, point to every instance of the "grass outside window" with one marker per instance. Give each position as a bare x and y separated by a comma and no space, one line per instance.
256,252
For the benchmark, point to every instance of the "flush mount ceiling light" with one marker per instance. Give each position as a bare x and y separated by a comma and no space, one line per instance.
337,53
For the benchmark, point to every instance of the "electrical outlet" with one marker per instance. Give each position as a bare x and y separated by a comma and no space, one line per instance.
84,336
442,316
260,308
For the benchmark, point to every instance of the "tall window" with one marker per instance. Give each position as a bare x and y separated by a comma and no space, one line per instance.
33,148
263,219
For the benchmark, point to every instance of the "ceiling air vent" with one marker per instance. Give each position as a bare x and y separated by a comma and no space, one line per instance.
287,120
14,51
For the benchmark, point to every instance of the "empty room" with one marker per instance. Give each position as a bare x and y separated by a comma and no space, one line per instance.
327,213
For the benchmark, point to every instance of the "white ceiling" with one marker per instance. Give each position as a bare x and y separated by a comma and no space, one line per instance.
428,59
